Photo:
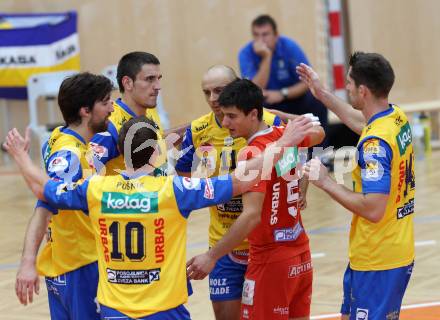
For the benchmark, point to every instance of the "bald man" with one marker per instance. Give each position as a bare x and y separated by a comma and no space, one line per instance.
211,151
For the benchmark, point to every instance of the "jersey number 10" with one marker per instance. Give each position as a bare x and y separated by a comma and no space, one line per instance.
134,241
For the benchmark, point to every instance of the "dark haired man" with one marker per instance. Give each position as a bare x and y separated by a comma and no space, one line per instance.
209,142
271,217
269,61
381,237
139,220
68,260
138,76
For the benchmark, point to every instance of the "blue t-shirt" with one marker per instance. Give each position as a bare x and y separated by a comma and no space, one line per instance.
286,56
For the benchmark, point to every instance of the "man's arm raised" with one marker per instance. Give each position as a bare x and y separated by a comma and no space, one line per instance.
352,118
35,177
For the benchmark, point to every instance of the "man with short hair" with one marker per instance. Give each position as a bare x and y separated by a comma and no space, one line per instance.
138,76
271,217
210,148
68,260
381,250
139,220
269,61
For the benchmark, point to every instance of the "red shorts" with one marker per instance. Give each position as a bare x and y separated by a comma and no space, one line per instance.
278,290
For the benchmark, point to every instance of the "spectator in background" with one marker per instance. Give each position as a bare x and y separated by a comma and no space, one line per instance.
270,61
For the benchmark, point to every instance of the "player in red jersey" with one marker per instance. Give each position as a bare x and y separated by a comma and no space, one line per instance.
278,282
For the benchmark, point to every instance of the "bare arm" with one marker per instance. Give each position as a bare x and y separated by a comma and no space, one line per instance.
303,187
200,266
354,119
262,77
35,177
294,133
316,135
369,206
174,135
27,280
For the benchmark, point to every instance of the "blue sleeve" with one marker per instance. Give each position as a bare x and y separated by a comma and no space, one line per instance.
196,193
277,121
67,196
375,157
104,146
248,63
42,204
64,165
184,164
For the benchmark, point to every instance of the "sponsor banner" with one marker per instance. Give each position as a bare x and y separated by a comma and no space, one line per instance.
406,209
288,234
233,205
247,297
133,276
371,146
209,190
287,162
404,138
36,43
299,269
135,203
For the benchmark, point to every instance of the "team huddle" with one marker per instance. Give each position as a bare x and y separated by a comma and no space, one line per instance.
114,209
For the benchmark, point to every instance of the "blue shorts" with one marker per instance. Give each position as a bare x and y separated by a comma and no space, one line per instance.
72,296
178,313
227,278
375,294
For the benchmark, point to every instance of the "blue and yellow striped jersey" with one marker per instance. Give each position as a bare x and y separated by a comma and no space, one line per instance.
139,225
70,243
385,165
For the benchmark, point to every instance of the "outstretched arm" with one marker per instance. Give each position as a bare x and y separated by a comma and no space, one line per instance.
200,266
370,206
294,133
35,177
352,118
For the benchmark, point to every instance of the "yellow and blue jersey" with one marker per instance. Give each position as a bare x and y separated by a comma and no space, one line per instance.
385,165
105,144
209,148
71,242
139,225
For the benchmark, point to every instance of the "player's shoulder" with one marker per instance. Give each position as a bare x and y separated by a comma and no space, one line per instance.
63,141
263,137
202,123
288,43
269,118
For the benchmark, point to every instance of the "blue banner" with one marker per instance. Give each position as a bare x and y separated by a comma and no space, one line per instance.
35,43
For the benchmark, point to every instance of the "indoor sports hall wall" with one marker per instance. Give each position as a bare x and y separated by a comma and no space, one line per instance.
190,35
